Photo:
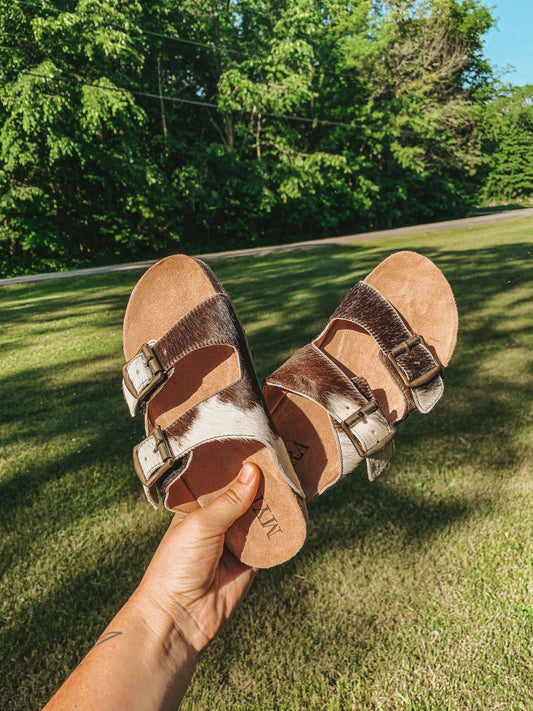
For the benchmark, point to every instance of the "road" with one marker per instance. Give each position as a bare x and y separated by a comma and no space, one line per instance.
486,219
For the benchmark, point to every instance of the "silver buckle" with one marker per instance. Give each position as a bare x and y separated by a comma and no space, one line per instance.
360,416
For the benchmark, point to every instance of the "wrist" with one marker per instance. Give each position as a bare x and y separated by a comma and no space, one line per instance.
142,661
173,626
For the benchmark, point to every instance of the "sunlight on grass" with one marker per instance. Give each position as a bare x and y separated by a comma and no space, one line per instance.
413,592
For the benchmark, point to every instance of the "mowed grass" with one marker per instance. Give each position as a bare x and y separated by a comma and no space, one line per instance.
412,592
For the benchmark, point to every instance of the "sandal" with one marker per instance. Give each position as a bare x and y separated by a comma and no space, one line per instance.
336,400
190,370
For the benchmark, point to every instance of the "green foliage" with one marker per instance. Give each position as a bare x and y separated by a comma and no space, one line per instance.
73,164
128,128
509,138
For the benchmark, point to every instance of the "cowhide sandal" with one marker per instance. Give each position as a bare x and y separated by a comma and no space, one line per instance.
189,368
336,400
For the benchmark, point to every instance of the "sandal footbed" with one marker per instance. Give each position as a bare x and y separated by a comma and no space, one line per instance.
165,293
423,297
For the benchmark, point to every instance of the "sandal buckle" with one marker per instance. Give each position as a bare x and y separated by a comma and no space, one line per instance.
167,458
406,347
158,374
360,416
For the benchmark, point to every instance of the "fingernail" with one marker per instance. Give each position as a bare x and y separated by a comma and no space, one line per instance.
246,474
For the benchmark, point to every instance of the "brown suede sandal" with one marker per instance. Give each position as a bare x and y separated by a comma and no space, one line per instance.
189,368
335,401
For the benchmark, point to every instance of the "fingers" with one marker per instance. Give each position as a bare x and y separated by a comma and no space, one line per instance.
218,516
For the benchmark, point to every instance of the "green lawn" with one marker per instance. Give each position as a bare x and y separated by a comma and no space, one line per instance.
413,592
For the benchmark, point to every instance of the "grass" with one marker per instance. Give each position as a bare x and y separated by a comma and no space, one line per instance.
414,592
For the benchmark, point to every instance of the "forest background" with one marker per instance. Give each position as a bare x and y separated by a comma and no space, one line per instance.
133,129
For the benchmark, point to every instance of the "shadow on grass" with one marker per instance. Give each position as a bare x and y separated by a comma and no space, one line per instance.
477,422
284,301
56,631
484,396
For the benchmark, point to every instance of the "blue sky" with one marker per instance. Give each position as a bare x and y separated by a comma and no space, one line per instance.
511,41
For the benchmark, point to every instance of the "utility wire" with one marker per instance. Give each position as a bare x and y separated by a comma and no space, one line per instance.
176,100
192,102
197,102
173,38
219,12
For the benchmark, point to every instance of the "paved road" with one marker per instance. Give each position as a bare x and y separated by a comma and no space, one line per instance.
486,219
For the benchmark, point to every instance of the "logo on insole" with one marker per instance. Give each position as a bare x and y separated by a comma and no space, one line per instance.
265,516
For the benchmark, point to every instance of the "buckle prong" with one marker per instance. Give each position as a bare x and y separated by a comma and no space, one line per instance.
361,416
158,374
151,360
163,448
406,347
161,443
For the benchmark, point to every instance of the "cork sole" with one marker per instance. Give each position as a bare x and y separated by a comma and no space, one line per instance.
275,527
424,299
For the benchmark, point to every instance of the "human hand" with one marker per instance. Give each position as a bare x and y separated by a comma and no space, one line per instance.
189,590
192,577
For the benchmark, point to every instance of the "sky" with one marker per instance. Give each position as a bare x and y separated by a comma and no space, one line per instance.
511,41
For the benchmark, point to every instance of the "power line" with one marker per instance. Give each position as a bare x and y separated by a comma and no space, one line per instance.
176,100
202,104
173,38
193,102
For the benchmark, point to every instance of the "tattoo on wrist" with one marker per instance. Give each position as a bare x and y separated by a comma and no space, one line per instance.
106,637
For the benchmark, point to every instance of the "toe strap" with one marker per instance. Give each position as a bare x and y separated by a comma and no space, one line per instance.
361,429
211,322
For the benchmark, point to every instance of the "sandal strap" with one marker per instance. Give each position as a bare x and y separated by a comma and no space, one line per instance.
405,354
361,428
211,322
235,412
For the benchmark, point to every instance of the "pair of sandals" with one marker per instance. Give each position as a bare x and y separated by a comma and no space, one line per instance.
330,406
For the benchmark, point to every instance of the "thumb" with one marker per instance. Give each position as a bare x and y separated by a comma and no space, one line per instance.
234,502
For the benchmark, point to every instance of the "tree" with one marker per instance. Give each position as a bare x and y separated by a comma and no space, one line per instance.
422,64
72,165
509,145
128,127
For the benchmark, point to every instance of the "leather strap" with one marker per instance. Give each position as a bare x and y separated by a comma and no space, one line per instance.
236,412
211,322
356,418
404,353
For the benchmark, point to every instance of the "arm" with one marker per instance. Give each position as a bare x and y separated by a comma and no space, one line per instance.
147,655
